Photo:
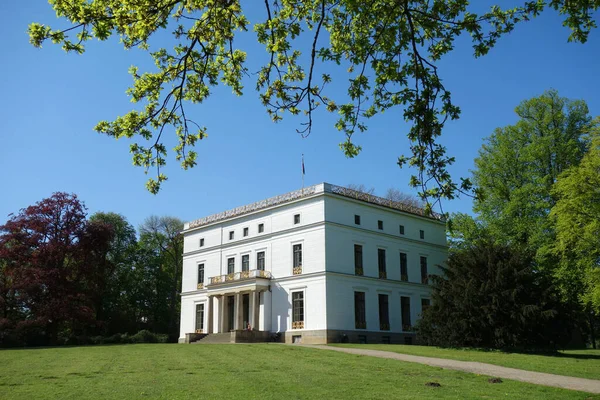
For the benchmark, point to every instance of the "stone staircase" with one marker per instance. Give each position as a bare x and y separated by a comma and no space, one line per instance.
214,338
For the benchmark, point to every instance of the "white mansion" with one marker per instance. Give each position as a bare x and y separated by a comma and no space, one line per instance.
317,265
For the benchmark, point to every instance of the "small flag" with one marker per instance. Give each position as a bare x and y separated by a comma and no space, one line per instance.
303,170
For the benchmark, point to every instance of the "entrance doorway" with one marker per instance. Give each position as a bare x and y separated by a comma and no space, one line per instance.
245,310
230,312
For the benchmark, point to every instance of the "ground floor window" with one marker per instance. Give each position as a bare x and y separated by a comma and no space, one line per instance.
384,315
200,318
297,310
360,318
405,309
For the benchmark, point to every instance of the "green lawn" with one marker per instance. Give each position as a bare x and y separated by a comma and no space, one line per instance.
265,371
580,363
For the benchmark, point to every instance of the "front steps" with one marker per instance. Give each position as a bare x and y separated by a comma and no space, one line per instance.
214,338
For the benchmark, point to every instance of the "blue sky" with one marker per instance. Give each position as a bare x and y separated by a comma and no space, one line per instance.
51,101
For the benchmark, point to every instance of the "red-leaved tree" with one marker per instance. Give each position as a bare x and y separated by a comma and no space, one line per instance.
51,270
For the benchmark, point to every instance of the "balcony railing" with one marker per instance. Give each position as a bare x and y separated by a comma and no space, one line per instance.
407,328
384,326
200,286
297,270
404,278
358,271
298,325
382,274
360,325
237,276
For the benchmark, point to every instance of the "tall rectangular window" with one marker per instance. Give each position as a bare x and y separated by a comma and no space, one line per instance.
200,276
246,230
246,262
403,267
381,263
405,310
424,276
402,229
297,254
384,313
200,318
261,228
358,259
425,303
356,219
296,219
231,265
231,233
422,234
360,315
201,242
297,310
380,225
260,260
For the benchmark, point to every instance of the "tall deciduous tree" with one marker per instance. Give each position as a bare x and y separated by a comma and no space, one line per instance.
162,237
577,218
519,164
51,261
387,50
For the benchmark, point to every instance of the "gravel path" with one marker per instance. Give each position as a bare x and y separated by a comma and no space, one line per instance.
539,378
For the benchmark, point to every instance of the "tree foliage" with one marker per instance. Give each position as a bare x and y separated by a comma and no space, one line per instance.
52,267
65,278
492,297
387,50
519,164
577,218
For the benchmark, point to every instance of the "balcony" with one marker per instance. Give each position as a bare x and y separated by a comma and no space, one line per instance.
382,274
200,286
404,278
240,276
384,327
297,270
358,271
407,328
360,324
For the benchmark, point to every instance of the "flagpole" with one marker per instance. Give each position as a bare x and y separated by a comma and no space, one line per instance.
303,173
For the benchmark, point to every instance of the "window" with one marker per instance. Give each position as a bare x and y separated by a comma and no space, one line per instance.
246,262
297,254
402,229
199,318
405,310
296,219
231,235
422,234
381,263
261,228
425,303
403,267
360,317
384,315
230,265
380,225
246,231
201,242
357,219
200,276
358,260
424,277
297,310
260,260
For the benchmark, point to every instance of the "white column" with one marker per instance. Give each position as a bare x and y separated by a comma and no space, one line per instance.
222,314
254,309
209,317
265,313
237,323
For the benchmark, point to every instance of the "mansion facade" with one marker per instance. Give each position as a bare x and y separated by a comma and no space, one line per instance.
317,265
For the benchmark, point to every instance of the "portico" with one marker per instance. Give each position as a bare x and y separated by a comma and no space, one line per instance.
235,300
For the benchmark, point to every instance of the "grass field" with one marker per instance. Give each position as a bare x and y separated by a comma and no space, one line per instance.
170,371
580,363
